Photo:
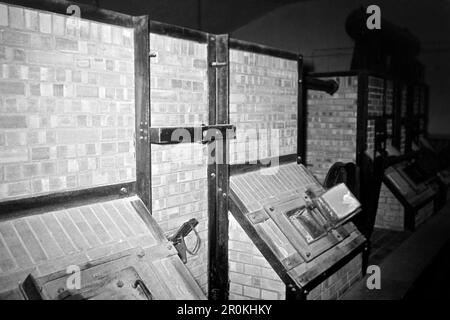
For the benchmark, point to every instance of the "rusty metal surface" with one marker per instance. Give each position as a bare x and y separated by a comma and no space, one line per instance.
48,243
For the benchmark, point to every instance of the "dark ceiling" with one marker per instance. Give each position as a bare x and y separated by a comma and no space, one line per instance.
215,16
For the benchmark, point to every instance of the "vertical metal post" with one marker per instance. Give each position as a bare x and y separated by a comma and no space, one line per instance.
143,118
397,114
362,115
409,117
218,172
426,107
302,114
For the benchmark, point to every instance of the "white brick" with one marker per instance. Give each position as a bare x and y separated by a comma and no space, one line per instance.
45,22
106,33
269,295
31,20
59,23
16,18
3,15
252,292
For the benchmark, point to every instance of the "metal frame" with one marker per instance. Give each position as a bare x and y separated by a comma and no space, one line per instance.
293,290
397,114
218,173
301,111
88,12
261,49
177,32
362,103
73,197
143,110
410,211
202,134
236,169
302,114
67,199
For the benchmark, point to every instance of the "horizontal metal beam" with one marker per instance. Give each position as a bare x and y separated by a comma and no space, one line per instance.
240,168
202,134
65,199
178,32
88,12
257,48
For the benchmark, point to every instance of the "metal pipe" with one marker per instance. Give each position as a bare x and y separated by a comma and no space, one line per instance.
328,86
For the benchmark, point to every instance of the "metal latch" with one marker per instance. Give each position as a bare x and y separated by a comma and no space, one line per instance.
178,239
217,64
201,134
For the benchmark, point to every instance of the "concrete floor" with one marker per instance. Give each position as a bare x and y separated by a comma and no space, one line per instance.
413,265
383,242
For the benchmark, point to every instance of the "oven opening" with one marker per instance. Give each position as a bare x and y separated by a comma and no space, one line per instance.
306,224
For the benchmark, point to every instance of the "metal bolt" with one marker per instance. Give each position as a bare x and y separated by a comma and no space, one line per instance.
308,254
220,189
213,175
120,284
224,195
123,191
271,208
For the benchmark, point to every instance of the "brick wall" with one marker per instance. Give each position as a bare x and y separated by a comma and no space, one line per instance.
390,213
66,103
263,106
331,133
375,104
252,278
179,97
334,287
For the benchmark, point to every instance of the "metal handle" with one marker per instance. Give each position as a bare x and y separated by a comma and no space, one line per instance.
141,284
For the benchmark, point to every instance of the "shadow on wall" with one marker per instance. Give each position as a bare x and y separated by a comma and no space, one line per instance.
317,30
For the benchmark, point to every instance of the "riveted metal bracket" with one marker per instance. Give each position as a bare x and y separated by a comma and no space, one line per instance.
143,131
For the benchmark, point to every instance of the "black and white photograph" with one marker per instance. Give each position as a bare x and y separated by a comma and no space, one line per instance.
225,155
